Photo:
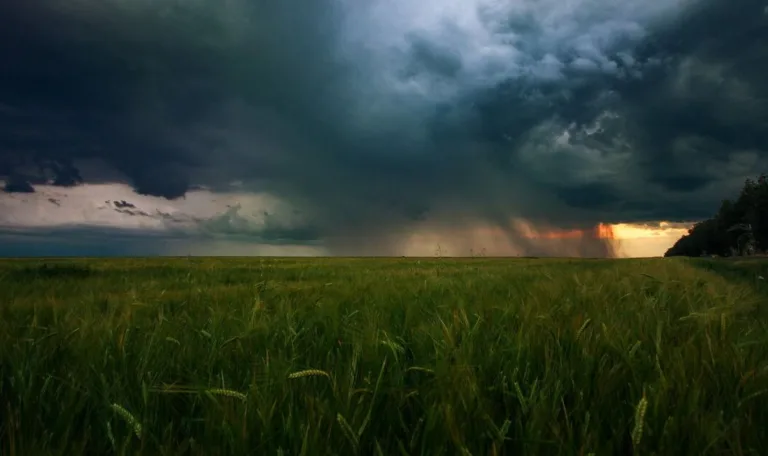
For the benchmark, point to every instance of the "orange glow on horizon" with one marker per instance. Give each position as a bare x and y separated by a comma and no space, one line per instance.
623,239
600,231
604,231
628,239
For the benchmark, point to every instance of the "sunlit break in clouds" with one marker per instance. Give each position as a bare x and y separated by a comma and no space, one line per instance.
337,127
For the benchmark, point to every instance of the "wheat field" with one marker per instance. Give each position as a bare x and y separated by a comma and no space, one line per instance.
345,356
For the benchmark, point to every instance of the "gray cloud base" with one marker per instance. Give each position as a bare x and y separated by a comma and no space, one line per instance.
370,126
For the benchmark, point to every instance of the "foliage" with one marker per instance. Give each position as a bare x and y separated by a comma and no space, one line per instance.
740,227
380,357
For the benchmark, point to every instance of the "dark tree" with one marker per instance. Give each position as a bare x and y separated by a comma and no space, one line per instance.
740,227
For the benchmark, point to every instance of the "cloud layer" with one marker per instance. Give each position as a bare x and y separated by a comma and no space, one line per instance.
372,120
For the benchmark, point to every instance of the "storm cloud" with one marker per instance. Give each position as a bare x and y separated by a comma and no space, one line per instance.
372,118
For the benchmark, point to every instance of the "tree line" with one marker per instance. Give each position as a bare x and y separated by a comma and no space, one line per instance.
740,226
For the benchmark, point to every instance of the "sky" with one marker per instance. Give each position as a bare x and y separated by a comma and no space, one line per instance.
379,127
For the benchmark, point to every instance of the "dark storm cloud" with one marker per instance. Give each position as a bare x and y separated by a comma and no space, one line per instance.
80,241
272,231
18,184
708,101
105,242
628,112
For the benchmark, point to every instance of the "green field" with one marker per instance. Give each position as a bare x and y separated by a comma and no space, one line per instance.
383,357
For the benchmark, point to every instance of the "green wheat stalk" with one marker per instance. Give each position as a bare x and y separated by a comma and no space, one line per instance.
637,431
129,418
583,327
309,373
348,432
227,393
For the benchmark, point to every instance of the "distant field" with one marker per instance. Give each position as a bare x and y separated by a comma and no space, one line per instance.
383,357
